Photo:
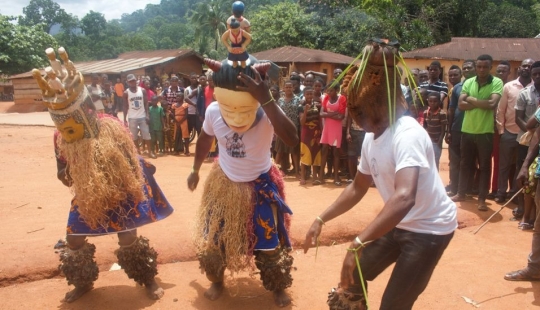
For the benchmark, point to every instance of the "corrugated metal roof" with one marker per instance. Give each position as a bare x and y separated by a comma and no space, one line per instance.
126,62
511,49
300,54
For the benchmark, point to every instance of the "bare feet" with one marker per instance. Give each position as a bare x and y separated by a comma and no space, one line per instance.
154,291
281,298
77,292
214,292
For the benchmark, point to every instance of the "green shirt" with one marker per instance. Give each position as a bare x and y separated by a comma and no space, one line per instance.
156,117
479,121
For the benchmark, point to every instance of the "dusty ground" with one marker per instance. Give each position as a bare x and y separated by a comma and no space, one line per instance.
35,204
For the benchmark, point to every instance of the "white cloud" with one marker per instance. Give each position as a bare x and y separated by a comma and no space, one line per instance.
112,9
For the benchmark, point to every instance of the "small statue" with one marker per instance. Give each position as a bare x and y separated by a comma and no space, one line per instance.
73,77
54,82
55,63
238,12
239,40
68,64
46,89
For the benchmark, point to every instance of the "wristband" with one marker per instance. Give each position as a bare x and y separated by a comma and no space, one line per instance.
194,171
271,99
320,220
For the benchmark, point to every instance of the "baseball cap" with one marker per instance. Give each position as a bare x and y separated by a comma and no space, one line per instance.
131,77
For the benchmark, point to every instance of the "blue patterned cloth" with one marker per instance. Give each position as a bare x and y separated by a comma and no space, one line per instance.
154,208
269,235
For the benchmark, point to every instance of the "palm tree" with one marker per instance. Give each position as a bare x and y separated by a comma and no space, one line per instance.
210,18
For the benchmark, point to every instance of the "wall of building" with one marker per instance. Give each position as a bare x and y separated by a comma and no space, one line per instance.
26,91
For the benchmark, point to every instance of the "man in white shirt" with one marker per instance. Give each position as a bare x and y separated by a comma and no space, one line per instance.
136,111
418,219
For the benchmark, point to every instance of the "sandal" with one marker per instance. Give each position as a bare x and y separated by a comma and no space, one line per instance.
337,183
526,226
521,275
482,206
302,182
317,182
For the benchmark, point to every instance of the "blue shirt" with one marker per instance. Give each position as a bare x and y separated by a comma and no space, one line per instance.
458,114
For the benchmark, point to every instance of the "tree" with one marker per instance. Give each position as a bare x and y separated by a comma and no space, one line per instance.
22,48
508,21
348,33
93,24
282,24
209,19
46,12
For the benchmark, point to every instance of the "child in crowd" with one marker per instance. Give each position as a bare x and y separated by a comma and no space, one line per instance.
333,111
318,88
310,148
435,122
289,104
181,131
157,127
168,131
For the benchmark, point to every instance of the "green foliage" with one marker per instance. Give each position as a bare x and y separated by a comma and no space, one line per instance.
209,19
282,24
507,21
341,26
347,32
22,48
93,24
46,12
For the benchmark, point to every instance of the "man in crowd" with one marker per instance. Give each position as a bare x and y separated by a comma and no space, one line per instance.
508,129
192,105
455,121
526,105
503,71
479,97
136,111
530,96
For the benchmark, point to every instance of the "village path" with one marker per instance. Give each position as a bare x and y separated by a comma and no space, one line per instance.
35,204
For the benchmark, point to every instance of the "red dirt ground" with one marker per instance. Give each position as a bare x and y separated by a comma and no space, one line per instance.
35,204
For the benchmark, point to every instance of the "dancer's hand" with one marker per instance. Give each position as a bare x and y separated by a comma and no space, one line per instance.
256,87
348,268
522,177
193,181
312,235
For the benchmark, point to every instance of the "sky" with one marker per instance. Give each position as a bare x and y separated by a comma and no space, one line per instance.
112,9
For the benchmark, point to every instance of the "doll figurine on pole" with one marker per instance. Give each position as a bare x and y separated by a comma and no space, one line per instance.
238,14
236,40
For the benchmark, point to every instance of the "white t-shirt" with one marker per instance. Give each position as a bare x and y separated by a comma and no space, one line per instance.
98,104
136,104
191,109
243,157
407,144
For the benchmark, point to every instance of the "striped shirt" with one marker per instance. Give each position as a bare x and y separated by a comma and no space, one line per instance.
438,86
435,124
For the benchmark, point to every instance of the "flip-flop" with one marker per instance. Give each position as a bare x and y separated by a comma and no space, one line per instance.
317,182
337,183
